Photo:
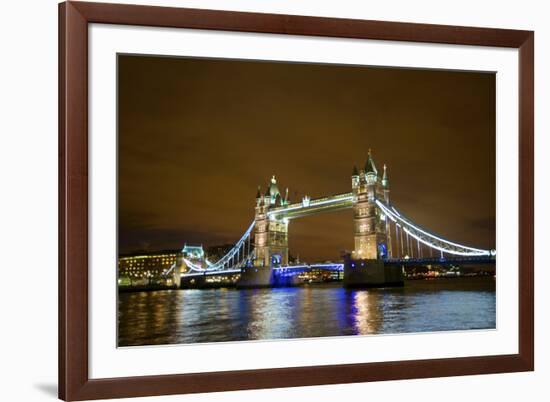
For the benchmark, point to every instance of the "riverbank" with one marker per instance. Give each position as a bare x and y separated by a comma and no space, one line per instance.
145,288
224,285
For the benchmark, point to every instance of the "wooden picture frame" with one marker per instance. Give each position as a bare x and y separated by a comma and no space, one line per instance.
74,381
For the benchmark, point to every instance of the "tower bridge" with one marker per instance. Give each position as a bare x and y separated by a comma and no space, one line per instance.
384,239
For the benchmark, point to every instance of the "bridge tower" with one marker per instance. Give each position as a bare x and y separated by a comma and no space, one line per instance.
270,234
370,234
372,243
270,239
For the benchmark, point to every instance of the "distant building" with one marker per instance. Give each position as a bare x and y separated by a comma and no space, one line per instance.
145,268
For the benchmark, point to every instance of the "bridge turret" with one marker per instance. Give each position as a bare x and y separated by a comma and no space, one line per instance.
354,178
371,173
258,196
267,197
273,190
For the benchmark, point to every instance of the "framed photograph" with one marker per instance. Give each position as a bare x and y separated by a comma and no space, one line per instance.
258,200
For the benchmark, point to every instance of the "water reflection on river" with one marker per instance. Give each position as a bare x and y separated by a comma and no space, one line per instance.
216,315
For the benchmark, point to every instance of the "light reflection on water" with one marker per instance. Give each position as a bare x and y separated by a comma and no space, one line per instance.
215,315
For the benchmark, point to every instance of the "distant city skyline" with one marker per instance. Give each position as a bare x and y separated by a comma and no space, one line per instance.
197,136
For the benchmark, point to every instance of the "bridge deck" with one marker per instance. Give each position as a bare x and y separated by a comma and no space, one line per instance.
339,267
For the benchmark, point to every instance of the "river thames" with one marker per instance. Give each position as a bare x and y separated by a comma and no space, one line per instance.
221,315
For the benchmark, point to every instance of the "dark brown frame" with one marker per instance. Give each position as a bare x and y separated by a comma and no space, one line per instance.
74,383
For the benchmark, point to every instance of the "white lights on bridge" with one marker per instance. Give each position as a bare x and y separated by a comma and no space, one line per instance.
450,250
445,250
226,259
307,202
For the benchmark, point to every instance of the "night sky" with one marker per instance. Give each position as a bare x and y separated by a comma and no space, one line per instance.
197,136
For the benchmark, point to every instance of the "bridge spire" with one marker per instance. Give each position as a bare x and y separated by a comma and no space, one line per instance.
370,167
385,180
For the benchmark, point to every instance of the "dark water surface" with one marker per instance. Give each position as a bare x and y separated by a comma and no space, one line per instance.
217,315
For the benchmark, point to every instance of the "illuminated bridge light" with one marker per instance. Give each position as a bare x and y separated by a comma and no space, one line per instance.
311,204
444,246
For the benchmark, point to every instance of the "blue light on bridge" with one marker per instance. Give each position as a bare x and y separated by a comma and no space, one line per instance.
276,260
382,250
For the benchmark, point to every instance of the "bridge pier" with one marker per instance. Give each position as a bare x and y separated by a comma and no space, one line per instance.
256,277
264,277
364,273
197,282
